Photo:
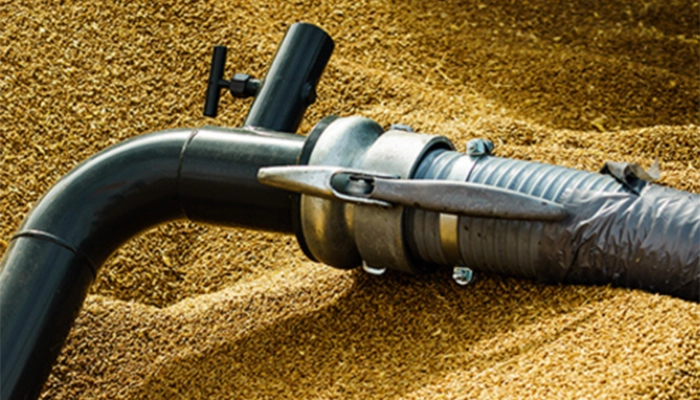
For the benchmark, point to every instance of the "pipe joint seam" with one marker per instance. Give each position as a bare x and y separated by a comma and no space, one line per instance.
46,236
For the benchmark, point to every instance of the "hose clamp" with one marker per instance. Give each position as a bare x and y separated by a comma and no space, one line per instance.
448,223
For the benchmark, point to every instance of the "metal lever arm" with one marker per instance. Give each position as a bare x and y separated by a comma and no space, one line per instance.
364,187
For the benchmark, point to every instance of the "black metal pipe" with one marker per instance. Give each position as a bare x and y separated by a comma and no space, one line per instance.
113,195
42,287
88,214
219,183
53,258
207,175
290,85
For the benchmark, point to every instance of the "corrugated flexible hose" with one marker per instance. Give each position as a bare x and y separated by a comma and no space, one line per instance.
648,240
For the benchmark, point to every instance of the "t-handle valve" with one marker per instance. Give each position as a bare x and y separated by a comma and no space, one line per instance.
241,85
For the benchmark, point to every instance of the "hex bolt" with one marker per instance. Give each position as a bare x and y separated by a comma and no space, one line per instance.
462,275
479,147
243,86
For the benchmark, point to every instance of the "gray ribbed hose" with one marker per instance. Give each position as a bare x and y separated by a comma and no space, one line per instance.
649,241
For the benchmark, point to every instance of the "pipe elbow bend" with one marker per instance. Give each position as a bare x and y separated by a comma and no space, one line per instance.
112,196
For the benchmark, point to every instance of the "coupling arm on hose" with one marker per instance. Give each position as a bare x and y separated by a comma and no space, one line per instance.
450,197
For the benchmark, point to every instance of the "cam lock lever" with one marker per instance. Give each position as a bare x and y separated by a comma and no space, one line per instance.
450,197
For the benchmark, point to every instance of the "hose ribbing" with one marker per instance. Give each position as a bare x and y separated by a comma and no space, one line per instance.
649,240
509,246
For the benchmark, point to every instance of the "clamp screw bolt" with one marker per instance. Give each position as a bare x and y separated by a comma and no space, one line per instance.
462,275
243,86
479,147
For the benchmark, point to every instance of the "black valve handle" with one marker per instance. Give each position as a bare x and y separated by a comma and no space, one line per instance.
289,87
216,81
241,85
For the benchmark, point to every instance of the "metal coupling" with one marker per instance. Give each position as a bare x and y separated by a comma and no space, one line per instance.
359,183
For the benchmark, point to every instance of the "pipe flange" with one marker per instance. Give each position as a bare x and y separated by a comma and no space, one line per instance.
327,225
304,156
379,232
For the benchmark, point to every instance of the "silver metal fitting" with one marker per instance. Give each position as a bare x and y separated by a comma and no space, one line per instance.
462,275
479,147
372,270
341,226
401,127
359,189
327,225
379,231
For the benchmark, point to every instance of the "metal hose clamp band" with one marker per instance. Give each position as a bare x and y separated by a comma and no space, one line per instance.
449,223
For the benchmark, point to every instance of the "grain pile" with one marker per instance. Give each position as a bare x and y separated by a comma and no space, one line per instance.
188,311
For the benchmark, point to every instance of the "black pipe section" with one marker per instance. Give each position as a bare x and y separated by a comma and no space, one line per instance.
207,175
54,257
290,85
42,286
219,184
113,195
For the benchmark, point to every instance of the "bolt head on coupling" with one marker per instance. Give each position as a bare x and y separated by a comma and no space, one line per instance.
243,86
479,147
